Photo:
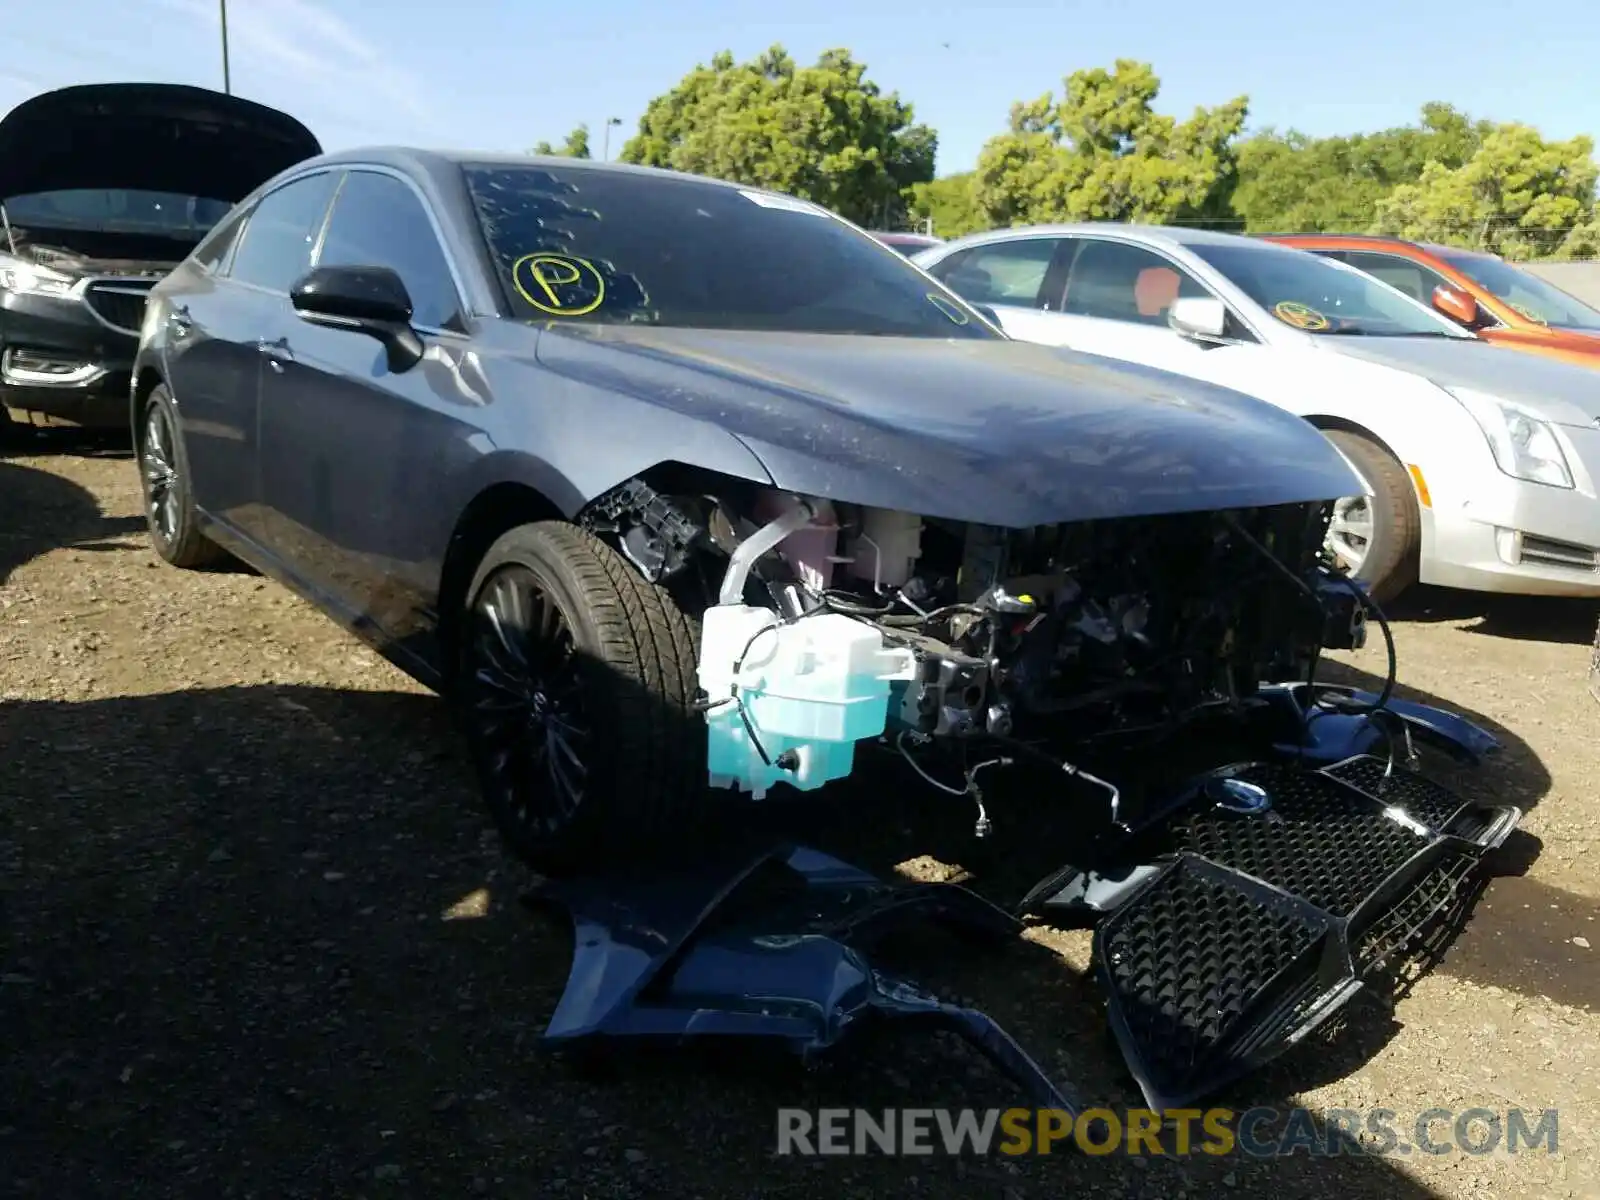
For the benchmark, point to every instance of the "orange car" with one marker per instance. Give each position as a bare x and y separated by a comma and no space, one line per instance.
1499,302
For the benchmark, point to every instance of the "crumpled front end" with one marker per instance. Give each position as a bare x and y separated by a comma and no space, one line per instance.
1243,913
1250,853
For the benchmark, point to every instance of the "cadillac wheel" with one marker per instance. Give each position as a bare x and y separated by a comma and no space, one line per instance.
1375,538
575,690
164,474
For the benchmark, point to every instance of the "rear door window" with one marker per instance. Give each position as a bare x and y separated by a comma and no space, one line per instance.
1006,273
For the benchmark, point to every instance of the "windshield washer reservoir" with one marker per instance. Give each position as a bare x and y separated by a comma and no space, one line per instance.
789,701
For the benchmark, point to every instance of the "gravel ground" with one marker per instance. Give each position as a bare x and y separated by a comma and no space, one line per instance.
258,940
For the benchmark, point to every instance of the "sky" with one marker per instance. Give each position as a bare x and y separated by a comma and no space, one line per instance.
504,74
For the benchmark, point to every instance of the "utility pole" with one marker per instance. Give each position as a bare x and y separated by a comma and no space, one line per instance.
227,78
605,153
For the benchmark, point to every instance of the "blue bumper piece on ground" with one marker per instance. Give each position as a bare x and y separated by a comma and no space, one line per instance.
1337,728
769,950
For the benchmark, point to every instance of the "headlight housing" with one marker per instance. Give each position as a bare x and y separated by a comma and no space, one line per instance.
19,276
1525,445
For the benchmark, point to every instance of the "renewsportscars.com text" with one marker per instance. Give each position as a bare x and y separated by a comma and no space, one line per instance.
1255,1132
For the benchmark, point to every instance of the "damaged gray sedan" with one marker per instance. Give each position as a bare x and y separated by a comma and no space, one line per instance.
686,494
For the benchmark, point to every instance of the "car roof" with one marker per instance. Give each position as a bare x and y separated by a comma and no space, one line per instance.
1170,235
1379,239
444,162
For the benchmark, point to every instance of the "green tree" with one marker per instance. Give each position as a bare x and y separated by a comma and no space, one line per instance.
576,145
1584,240
950,202
1103,153
1292,183
1518,195
825,132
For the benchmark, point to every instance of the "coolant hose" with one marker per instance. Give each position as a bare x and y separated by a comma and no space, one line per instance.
746,553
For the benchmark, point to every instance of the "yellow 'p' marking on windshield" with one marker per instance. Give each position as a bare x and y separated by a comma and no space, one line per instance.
559,284
1301,316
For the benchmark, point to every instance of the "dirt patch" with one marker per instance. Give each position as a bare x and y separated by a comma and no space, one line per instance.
258,939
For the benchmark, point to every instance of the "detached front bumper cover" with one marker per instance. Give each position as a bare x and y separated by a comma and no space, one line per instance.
770,951
1228,927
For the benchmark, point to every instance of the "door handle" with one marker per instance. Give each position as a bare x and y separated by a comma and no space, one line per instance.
277,352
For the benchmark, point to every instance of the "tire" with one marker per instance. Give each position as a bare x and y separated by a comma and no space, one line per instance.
164,482
1394,523
610,677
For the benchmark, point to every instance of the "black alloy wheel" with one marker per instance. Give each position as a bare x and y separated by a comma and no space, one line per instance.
163,486
164,479
574,684
523,701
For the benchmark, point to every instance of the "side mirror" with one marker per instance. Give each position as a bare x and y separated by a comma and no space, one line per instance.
1203,317
1458,307
986,312
369,300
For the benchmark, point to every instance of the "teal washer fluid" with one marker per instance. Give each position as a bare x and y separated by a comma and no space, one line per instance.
810,689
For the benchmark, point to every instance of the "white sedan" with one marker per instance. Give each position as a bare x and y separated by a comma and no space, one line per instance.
1481,464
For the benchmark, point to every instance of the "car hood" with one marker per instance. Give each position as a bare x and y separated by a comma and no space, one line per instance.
1573,347
1565,393
159,137
997,432
1587,340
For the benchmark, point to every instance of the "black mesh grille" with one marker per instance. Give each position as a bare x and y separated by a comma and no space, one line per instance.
1185,962
1266,921
123,308
1322,841
1396,929
1429,802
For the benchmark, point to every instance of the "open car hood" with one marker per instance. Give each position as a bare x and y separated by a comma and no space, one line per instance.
159,137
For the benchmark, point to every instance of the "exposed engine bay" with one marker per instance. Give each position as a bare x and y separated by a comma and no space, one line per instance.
1264,845
97,251
859,623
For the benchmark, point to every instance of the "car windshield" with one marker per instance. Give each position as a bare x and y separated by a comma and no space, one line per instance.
1322,297
613,246
118,209
1539,301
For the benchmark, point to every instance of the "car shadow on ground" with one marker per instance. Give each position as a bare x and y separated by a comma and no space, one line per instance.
45,512
262,939
25,441
1521,618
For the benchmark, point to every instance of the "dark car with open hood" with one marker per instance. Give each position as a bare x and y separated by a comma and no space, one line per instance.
684,493
104,188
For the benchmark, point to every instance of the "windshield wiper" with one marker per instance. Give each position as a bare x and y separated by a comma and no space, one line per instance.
1384,333
1413,333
